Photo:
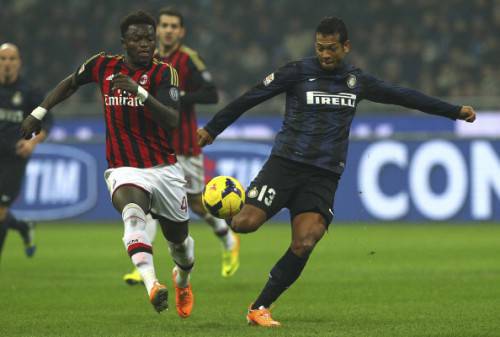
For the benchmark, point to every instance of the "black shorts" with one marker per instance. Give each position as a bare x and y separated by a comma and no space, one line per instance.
299,187
11,177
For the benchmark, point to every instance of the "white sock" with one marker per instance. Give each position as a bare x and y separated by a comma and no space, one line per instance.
138,244
221,230
183,256
151,226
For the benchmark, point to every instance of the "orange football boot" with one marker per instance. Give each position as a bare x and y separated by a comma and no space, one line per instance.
261,317
159,297
184,298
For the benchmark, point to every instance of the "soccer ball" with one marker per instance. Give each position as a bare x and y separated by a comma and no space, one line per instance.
223,197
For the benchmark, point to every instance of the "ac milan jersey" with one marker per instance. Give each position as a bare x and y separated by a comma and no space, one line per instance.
192,75
133,138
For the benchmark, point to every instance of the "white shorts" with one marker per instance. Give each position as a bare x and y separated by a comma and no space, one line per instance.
193,173
164,183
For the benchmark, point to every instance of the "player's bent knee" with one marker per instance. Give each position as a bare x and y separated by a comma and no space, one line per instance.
304,246
244,223
124,195
175,232
248,220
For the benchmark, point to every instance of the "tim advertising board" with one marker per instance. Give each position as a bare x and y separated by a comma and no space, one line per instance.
60,182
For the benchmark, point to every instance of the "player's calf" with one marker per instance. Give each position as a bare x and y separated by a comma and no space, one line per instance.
183,255
307,229
138,244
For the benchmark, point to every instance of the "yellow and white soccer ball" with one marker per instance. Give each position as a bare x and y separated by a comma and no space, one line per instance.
223,197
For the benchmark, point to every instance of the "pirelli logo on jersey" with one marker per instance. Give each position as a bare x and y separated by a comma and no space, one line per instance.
324,98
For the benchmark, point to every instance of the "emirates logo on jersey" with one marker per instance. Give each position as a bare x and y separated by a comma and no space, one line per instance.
122,99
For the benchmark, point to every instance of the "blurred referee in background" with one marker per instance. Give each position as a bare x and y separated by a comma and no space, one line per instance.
17,100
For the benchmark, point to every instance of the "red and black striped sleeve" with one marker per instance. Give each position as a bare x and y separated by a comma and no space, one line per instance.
168,86
88,71
200,87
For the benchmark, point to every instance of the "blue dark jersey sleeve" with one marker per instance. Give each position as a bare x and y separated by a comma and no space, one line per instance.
274,84
376,90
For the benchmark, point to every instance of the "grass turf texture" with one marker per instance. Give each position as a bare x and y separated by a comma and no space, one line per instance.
390,280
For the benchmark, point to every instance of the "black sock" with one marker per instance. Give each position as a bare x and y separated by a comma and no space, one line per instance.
3,234
282,276
19,225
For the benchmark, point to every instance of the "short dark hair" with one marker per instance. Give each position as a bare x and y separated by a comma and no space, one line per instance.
331,25
137,18
171,11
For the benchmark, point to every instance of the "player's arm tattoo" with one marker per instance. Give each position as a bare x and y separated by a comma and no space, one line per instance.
62,91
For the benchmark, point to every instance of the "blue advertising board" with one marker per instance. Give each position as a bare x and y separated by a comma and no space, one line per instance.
385,180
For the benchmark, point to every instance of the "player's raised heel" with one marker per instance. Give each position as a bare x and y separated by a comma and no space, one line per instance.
261,317
159,297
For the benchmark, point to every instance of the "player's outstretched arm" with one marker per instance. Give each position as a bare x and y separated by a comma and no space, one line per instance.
166,116
33,123
379,91
274,84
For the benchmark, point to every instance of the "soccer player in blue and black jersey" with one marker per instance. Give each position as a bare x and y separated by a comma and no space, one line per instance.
17,99
310,150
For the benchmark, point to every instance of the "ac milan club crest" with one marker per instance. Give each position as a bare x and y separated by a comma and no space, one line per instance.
143,80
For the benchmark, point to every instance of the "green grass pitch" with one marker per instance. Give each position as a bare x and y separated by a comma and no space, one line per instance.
373,280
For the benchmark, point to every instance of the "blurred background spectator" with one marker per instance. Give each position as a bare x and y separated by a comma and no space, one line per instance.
444,48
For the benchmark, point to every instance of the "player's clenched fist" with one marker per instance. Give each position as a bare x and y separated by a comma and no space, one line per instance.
467,114
123,82
204,137
29,126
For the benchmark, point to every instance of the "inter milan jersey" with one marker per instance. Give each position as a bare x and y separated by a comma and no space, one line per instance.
133,138
192,75
320,106
17,100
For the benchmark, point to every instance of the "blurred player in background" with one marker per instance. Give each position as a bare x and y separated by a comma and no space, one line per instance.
141,100
309,153
17,100
196,86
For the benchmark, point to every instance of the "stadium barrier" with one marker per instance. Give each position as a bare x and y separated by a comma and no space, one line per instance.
385,179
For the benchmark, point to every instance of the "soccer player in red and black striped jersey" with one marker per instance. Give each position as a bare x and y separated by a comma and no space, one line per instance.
141,99
196,86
